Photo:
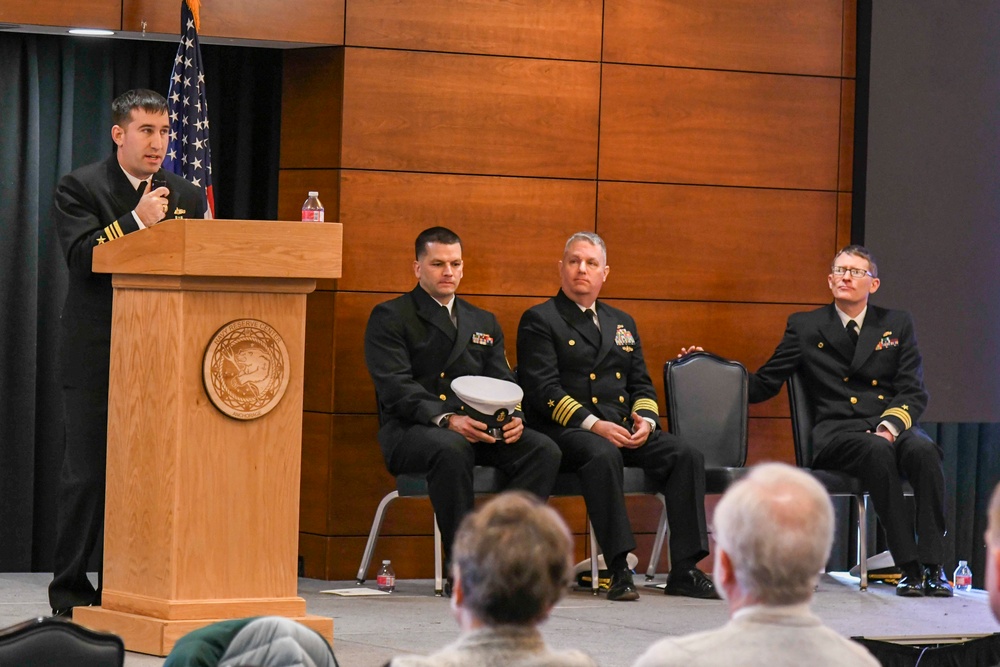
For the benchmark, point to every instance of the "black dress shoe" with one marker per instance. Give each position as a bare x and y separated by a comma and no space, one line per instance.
447,587
936,582
691,583
622,587
910,586
66,612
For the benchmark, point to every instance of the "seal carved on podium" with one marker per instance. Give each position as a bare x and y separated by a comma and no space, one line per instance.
246,369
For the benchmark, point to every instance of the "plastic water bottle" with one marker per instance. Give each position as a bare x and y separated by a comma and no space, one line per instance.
312,209
963,577
386,578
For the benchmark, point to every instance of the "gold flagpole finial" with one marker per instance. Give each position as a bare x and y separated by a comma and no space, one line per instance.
195,7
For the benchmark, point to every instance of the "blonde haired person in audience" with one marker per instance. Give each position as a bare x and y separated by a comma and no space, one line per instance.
511,564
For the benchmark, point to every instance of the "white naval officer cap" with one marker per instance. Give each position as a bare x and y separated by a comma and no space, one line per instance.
487,399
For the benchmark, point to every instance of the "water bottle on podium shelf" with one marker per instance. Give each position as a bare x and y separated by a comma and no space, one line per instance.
963,577
312,209
386,578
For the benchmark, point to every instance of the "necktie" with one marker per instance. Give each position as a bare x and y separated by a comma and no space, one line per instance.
852,332
592,316
450,317
141,187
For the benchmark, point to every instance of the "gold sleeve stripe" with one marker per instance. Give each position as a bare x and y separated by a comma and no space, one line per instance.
645,404
901,415
113,231
564,410
517,408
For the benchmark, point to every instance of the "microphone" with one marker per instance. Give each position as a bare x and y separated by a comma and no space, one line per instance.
160,181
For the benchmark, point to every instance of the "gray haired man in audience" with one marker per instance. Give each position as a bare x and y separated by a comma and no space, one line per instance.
773,532
511,564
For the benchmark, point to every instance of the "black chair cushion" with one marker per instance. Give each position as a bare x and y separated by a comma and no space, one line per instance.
52,642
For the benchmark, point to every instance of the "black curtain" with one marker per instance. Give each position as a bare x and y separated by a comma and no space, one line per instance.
55,97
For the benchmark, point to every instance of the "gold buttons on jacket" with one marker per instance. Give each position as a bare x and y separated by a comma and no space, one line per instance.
443,397
621,399
594,400
572,342
593,376
442,374
846,379
881,397
874,383
820,345
618,376
854,399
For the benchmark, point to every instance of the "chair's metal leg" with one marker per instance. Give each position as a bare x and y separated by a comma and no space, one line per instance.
661,533
438,578
862,540
595,584
366,558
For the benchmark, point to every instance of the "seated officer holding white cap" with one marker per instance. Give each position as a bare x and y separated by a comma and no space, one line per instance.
415,345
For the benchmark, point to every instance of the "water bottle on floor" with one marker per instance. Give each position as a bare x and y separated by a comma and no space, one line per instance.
386,578
963,577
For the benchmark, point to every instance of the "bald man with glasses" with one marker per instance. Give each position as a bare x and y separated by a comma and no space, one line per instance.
862,373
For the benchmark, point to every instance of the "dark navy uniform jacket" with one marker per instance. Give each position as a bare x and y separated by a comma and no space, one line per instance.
570,370
851,388
413,352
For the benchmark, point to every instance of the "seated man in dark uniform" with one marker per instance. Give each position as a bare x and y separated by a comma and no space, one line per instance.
415,345
587,387
863,375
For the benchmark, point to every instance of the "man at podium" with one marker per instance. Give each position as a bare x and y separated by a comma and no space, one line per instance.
97,204
415,345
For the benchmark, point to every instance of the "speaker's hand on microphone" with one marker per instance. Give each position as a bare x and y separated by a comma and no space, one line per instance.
152,206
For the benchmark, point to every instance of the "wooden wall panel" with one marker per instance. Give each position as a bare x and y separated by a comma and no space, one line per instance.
850,26
512,229
771,439
106,14
311,108
294,186
844,211
845,178
314,498
716,244
449,113
721,128
564,29
319,370
413,111
353,391
787,36
306,21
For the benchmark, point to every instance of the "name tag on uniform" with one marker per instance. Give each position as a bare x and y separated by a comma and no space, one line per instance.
482,339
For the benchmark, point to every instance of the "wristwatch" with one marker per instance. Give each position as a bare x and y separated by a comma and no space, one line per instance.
445,421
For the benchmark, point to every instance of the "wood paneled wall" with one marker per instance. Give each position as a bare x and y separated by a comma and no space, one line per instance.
304,21
708,143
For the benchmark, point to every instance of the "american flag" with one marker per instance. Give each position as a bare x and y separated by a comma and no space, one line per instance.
189,154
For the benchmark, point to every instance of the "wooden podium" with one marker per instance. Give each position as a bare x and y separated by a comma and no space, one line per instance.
202,510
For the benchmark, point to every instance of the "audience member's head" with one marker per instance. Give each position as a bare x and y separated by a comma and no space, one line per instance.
993,553
773,531
511,562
